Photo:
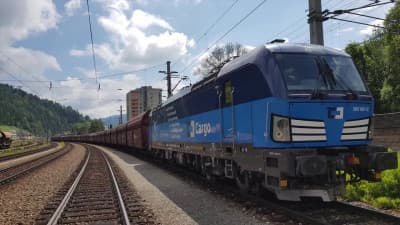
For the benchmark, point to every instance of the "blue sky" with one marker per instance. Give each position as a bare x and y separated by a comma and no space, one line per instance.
47,41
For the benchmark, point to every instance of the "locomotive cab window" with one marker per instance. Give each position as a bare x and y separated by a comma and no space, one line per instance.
228,92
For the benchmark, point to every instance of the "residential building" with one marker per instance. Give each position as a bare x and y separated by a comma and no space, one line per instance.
141,100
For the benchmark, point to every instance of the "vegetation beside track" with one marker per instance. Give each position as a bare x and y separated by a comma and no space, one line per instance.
384,194
12,128
17,150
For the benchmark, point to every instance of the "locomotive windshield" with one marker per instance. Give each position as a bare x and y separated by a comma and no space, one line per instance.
306,72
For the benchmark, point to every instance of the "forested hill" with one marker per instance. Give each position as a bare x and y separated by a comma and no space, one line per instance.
36,115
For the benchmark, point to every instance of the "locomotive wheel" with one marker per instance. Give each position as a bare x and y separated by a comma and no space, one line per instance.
210,177
255,188
242,181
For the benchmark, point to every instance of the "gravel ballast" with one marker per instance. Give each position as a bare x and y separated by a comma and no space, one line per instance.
17,161
175,201
21,201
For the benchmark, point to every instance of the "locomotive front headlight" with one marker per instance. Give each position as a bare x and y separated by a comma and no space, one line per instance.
280,129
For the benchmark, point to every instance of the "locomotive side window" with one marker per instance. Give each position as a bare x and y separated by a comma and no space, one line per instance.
228,92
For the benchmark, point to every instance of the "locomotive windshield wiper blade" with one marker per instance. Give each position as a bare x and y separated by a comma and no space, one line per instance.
328,73
317,91
332,79
347,87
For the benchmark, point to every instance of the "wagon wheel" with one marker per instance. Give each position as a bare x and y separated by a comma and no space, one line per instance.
242,180
207,170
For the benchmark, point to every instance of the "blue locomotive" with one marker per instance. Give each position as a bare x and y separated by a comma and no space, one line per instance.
292,118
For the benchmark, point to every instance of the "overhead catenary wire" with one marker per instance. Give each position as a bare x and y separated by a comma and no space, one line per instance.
219,18
91,40
227,32
21,82
335,24
296,29
19,67
334,14
131,71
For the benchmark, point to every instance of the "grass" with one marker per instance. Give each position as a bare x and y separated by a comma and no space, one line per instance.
12,151
10,128
384,194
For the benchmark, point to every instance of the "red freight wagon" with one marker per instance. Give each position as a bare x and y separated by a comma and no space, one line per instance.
137,131
121,135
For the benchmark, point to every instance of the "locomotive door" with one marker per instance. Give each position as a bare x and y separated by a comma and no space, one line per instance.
228,114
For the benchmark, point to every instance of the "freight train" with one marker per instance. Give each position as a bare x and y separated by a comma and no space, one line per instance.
295,119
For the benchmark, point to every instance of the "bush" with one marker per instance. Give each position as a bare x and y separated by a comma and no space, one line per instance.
384,194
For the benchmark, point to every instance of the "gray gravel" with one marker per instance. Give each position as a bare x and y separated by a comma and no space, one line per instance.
21,201
175,201
17,161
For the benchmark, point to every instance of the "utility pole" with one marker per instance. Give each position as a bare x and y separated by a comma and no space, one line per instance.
169,77
315,20
120,115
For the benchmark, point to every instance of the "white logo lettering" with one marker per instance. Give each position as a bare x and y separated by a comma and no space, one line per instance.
340,111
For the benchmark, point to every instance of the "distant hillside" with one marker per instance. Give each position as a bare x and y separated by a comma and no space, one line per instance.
113,120
29,112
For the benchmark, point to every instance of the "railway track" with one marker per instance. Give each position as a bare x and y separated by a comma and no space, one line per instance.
11,173
97,195
17,155
308,212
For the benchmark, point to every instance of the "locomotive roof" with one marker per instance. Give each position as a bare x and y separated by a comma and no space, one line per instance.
255,55
304,48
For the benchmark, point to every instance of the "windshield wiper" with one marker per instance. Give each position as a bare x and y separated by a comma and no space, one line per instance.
332,78
351,93
329,80
316,94
328,73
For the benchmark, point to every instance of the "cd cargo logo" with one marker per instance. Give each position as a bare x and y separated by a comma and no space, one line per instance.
199,129
335,113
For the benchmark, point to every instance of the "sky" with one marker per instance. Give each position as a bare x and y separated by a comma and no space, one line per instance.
45,45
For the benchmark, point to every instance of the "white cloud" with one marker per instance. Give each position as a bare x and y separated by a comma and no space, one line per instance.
143,20
97,104
137,39
176,2
71,6
369,30
71,82
37,62
132,45
18,21
345,30
77,52
88,73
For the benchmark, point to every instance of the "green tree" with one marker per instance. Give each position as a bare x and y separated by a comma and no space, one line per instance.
96,125
391,88
369,58
378,59
38,116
